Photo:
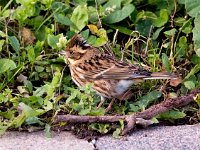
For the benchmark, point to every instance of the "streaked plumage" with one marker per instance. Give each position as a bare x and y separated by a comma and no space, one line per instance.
111,78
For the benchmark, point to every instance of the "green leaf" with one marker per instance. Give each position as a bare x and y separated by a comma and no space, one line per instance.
144,101
121,29
156,33
79,18
170,32
182,47
84,111
166,62
116,133
31,53
145,15
1,44
102,128
41,90
14,42
112,4
192,7
194,70
6,64
171,115
119,15
9,114
62,19
189,85
195,59
144,26
2,34
196,35
39,68
27,110
28,85
102,40
162,19
52,40
47,131
97,112
3,129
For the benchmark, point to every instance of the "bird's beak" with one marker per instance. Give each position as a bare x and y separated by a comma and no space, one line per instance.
62,52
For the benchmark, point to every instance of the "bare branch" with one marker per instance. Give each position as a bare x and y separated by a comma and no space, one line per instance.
133,119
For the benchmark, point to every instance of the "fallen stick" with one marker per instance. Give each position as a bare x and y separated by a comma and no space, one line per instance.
136,118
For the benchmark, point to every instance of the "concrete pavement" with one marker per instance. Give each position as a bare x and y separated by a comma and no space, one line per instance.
185,137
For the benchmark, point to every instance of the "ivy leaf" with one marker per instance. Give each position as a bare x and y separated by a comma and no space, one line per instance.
79,18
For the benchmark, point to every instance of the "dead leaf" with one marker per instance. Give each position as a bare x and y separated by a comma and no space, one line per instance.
93,28
21,78
27,36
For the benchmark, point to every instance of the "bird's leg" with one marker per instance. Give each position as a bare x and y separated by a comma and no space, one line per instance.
101,102
110,105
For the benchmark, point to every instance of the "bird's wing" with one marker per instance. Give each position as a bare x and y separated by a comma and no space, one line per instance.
106,67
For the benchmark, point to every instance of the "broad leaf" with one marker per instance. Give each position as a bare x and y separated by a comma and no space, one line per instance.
162,19
192,7
79,18
144,101
119,15
196,35
6,64
14,42
62,19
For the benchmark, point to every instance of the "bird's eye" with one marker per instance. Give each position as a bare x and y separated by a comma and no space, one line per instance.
71,52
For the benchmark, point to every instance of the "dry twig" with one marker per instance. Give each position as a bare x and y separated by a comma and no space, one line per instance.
133,119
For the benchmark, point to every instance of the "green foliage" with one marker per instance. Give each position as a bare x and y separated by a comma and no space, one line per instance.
6,65
119,15
171,115
35,85
79,18
144,101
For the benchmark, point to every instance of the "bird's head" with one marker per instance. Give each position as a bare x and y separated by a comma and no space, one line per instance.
76,49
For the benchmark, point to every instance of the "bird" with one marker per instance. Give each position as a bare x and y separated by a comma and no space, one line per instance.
110,77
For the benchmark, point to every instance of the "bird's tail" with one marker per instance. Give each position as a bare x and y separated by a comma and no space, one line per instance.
161,75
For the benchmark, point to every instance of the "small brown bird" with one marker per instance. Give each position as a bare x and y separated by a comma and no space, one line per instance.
110,77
